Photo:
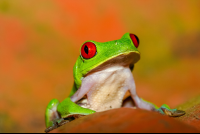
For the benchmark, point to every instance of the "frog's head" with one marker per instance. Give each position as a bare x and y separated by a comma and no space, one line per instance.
96,56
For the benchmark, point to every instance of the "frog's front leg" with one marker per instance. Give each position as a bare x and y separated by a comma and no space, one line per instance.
143,104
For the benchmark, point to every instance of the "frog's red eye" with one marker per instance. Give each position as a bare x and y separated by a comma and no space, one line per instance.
135,40
88,50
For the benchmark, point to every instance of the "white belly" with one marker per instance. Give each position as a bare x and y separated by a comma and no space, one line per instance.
108,92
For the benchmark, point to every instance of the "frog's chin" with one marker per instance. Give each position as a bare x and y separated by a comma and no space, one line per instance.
126,60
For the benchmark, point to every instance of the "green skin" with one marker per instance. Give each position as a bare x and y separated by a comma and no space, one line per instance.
105,52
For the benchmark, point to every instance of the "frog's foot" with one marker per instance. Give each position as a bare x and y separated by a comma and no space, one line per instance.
165,109
56,124
59,122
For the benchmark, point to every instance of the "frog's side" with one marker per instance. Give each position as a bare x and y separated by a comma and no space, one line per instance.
102,76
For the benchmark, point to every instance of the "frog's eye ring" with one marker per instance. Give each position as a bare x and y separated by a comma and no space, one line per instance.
88,50
135,40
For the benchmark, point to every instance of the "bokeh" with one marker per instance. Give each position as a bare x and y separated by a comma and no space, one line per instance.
40,41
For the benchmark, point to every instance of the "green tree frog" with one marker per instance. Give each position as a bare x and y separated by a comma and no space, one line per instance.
102,76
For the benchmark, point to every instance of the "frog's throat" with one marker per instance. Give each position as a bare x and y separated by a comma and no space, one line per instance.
125,60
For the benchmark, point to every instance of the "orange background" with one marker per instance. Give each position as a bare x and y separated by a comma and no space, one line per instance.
40,41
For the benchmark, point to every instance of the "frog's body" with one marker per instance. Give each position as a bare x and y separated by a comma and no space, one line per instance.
109,89
102,76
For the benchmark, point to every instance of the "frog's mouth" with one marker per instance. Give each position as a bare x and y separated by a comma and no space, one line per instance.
104,87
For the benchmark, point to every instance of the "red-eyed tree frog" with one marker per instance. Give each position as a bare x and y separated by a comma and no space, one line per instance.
102,76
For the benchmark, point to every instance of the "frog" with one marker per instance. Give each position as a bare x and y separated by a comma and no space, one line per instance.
102,77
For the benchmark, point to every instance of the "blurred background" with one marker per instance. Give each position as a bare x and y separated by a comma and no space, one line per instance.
40,41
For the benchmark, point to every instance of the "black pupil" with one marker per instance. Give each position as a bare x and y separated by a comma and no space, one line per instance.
86,49
137,39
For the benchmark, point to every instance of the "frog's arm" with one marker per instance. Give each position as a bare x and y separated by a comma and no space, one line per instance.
156,108
74,89
143,104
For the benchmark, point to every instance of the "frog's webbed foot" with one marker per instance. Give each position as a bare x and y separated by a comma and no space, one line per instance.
165,109
56,124
59,122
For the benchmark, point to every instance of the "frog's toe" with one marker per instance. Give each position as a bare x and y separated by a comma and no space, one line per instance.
173,112
50,128
56,124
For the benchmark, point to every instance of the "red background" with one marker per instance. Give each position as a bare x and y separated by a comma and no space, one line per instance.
40,41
